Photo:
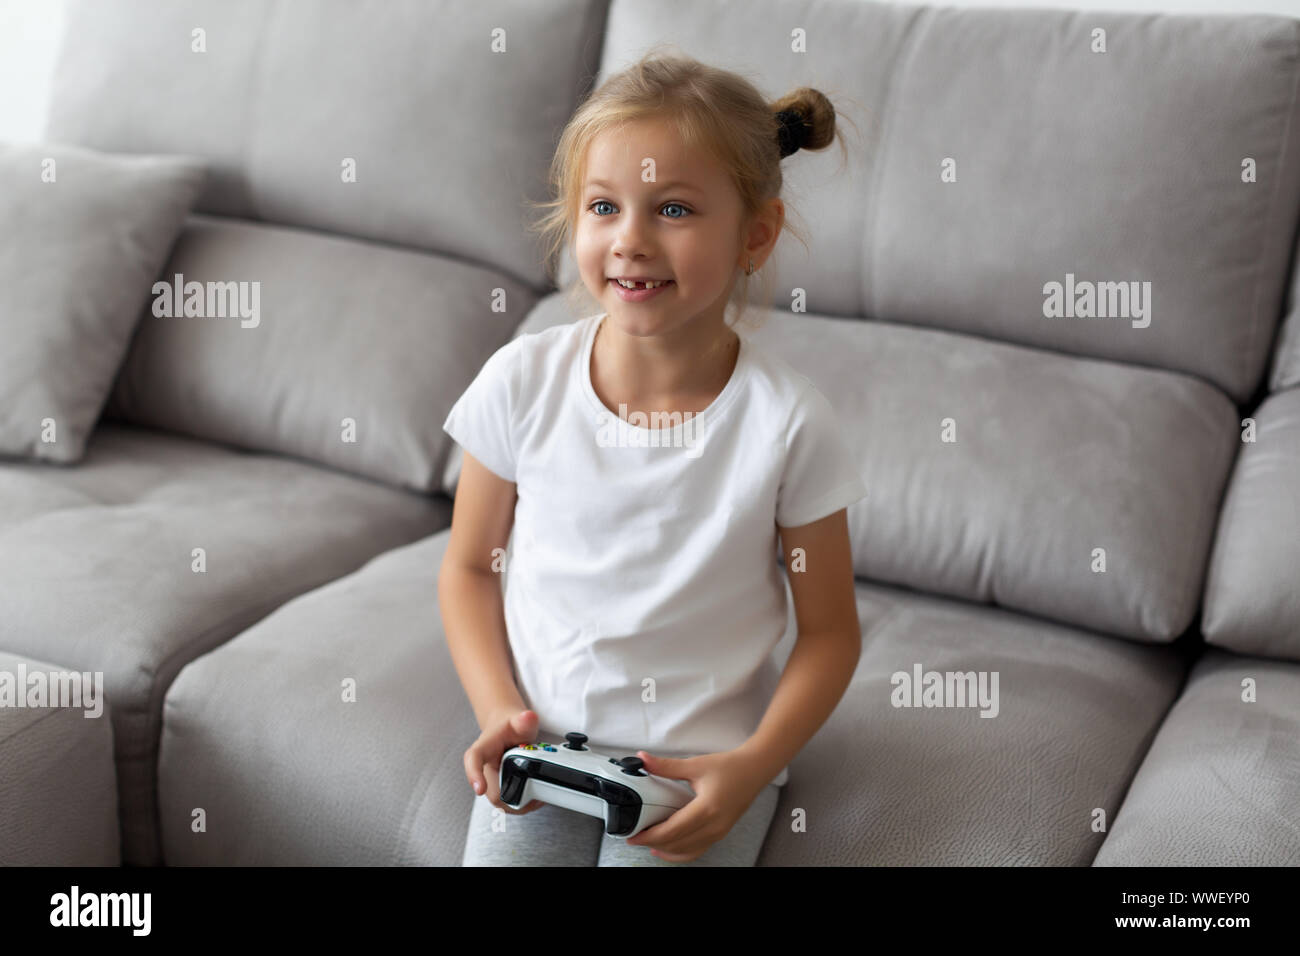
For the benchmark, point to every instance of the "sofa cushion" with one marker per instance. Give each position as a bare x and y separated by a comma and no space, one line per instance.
1071,166
1075,166
420,122
58,787
1252,594
84,234
157,548
347,789
1218,786
1067,724
882,785
1075,489
352,353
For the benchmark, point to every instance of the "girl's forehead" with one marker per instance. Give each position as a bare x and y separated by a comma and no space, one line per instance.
614,159
639,138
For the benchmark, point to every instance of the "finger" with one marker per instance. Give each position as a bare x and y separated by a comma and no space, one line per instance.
474,777
685,829
493,784
677,827
519,729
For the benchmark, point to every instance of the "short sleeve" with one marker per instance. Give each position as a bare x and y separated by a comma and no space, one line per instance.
482,421
820,475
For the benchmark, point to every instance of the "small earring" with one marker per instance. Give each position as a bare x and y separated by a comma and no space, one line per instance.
750,270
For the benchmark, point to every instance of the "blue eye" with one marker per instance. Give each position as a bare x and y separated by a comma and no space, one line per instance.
605,202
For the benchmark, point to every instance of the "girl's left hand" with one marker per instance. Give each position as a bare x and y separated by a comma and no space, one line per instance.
725,785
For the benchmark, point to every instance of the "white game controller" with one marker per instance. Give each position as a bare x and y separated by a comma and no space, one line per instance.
571,775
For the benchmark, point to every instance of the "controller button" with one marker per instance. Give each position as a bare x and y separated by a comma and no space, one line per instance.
633,766
575,740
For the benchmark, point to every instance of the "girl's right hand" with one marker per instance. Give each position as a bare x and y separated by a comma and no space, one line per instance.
483,758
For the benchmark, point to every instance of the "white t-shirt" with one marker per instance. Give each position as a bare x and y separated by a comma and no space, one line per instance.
643,598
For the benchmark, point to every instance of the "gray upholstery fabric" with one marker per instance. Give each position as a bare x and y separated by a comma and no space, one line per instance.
286,93
58,787
1063,166
1056,461
1252,591
1222,768
880,785
943,786
1286,355
1065,173
100,567
357,349
370,781
83,234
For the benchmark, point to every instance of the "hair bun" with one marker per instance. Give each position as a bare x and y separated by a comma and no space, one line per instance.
792,131
805,119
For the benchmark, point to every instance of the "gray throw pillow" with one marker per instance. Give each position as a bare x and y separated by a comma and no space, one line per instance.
83,234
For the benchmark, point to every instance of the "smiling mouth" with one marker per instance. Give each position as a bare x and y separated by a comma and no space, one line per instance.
652,284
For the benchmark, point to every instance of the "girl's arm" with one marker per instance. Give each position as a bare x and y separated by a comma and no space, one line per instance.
827,649
469,592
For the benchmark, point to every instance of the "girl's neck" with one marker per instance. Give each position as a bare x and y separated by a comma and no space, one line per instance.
650,371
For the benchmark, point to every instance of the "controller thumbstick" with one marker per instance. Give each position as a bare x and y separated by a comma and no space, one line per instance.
576,741
633,765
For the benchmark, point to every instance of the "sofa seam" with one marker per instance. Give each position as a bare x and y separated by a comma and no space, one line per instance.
1253,331
1208,530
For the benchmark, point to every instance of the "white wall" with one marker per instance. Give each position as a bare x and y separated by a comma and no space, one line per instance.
29,40
30,31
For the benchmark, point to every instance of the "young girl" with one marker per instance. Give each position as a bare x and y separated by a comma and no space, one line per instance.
645,459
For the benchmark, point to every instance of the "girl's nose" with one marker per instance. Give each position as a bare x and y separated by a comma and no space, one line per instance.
630,239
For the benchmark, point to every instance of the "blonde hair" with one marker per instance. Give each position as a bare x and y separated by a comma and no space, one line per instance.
716,110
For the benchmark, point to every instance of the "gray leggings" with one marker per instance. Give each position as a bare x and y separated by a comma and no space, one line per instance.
556,836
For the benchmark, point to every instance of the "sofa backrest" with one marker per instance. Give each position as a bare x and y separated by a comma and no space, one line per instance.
424,123
370,164
999,151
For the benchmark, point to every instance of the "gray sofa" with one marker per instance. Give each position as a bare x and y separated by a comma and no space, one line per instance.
1104,512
